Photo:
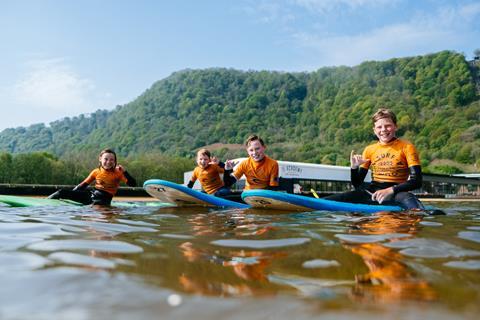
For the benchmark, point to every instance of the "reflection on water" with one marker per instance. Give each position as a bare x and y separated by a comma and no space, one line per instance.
142,261
389,278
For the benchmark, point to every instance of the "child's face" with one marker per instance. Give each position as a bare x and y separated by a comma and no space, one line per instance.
203,160
385,130
107,161
256,151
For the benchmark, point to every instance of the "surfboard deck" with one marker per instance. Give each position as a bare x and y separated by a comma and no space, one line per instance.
19,201
285,201
182,196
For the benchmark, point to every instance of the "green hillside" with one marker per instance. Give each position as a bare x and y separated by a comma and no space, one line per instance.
312,117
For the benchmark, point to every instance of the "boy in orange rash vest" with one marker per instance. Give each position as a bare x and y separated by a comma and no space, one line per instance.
260,171
395,168
208,174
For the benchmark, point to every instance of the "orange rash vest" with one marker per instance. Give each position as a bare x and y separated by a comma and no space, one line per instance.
259,175
209,177
106,180
390,162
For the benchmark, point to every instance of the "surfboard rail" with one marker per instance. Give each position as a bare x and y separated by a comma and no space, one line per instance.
268,199
183,196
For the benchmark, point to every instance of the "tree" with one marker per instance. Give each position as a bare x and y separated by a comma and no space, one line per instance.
476,53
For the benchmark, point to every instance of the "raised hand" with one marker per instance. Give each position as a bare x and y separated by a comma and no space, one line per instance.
229,164
356,160
214,160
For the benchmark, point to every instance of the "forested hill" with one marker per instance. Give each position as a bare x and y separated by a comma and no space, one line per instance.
314,117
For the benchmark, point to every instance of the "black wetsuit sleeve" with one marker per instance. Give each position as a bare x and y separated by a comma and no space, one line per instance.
413,182
81,186
273,188
190,184
131,182
357,176
228,179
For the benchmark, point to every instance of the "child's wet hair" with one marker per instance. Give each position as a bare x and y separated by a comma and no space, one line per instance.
383,113
252,138
204,152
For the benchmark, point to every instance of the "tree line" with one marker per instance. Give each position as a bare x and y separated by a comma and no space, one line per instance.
45,168
313,117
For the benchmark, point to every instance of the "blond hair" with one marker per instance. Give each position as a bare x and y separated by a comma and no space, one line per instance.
384,113
252,138
204,152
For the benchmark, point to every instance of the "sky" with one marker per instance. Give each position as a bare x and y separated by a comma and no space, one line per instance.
65,58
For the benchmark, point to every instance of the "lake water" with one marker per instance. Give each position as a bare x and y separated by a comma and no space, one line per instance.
145,262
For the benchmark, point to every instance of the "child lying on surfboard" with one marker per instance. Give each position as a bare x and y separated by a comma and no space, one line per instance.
107,179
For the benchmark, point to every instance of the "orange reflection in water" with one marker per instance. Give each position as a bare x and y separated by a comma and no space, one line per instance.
390,278
246,265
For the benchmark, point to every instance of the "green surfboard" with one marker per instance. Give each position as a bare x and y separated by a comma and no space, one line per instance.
18,201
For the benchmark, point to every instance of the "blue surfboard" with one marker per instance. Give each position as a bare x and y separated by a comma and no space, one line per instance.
182,196
268,199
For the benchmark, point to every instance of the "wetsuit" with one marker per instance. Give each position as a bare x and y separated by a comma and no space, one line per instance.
260,175
210,180
395,164
106,186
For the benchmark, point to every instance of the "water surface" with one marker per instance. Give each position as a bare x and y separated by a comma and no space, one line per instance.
146,262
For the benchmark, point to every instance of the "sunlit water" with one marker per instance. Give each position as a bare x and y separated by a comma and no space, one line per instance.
146,262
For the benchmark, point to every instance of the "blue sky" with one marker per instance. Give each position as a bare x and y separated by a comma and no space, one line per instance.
64,58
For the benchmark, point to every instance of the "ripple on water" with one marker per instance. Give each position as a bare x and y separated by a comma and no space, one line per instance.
98,245
115,228
468,264
320,263
82,260
8,217
474,228
260,244
137,223
311,287
31,229
430,248
12,242
470,235
356,238
176,236
18,261
431,223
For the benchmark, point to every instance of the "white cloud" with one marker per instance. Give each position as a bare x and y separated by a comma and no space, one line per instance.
268,11
470,12
47,90
324,6
52,84
446,28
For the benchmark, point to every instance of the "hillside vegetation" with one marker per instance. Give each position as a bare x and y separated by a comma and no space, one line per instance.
311,117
